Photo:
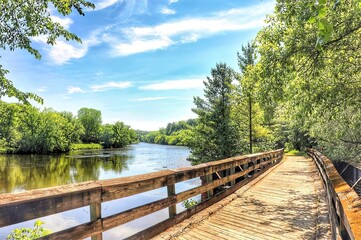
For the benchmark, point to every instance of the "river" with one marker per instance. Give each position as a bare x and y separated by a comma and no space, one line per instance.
26,172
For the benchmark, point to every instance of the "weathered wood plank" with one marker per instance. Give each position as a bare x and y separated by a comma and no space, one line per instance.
79,232
347,202
33,204
160,227
254,215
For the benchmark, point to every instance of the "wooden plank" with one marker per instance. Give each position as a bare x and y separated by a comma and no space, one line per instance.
39,203
79,232
254,215
160,227
348,203
127,186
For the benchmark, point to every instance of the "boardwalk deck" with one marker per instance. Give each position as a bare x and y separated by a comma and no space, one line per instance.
287,203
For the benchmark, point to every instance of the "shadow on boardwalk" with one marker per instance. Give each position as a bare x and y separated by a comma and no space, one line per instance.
288,203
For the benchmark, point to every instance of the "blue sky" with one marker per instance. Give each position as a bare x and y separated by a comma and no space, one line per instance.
141,61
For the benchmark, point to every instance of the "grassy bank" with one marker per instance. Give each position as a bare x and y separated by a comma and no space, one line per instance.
85,146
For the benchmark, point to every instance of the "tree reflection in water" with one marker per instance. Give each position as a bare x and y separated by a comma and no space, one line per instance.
25,172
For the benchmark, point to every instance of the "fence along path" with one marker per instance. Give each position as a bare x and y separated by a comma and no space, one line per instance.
288,203
230,173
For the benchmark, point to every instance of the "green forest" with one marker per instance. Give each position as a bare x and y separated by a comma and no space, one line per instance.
298,85
26,129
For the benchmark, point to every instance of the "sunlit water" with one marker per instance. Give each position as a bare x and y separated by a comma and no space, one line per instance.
25,172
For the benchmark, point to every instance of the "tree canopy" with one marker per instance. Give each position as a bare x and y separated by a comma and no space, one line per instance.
20,21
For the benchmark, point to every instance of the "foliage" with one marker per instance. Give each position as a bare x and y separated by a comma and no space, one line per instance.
28,233
215,136
310,67
246,110
176,133
26,19
85,146
91,119
24,129
117,135
189,203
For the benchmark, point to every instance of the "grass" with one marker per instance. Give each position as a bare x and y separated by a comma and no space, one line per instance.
294,152
85,146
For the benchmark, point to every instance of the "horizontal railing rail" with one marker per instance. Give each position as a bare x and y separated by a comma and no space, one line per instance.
235,172
344,205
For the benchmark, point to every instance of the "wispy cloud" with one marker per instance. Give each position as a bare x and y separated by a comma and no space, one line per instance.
150,99
72,89
172,1
63,51
167,11
175,85
42,89
148,38
65,22
111,85
101,4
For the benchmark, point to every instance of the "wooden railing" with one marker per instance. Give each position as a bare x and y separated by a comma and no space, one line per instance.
234,172
344,205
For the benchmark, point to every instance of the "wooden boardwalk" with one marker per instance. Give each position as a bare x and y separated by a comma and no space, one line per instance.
287,202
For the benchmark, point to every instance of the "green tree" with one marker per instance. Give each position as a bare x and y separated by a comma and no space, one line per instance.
315,78
9,134
215,136
91,119
23,19
246,88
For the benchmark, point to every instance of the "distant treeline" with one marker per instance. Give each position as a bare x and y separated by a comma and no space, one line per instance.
26,129
176,133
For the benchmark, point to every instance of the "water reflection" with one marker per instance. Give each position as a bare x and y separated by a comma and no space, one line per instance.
25,172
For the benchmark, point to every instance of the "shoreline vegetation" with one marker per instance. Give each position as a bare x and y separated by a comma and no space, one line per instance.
26,129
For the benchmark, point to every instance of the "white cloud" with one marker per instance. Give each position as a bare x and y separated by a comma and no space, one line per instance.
63,51
147,38
167,11
172,1
65,22
175,84
140,45
99,5
111,85
99,74
150,99
42,89
72,89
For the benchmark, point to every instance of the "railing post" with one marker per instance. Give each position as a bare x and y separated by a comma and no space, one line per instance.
232,171
209,178
95,214
172,209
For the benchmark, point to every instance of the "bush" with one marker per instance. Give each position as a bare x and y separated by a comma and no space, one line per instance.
28,233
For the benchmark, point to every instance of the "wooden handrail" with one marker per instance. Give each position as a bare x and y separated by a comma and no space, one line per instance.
343,202
19,207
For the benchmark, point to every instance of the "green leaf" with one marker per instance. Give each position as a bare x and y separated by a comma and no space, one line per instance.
312,19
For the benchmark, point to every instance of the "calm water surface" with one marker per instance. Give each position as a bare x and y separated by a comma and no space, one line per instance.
25,172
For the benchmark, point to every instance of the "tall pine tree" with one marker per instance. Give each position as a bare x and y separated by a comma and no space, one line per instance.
215,136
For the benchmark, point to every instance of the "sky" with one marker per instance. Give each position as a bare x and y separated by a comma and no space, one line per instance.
140,61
